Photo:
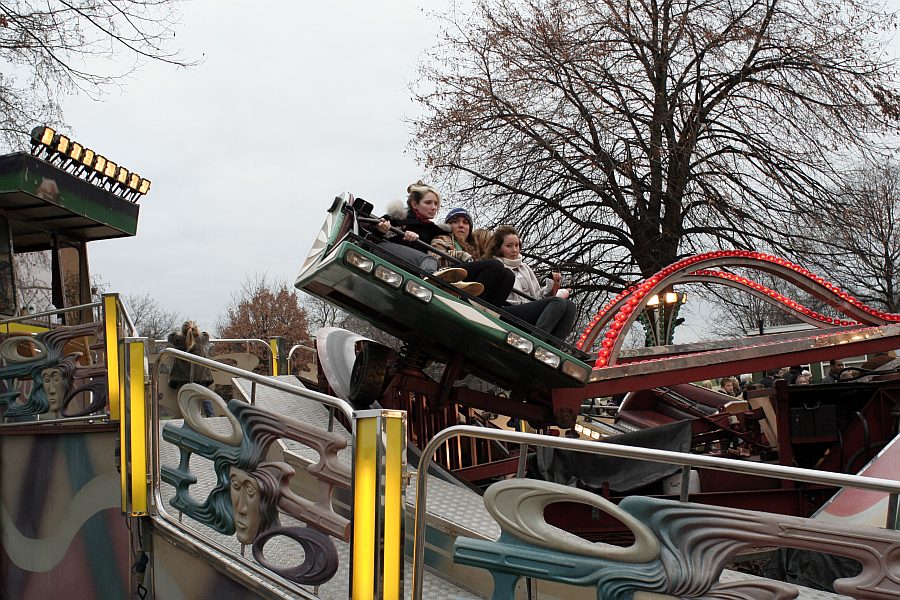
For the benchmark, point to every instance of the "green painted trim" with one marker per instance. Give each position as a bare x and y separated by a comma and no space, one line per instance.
22,173
462,328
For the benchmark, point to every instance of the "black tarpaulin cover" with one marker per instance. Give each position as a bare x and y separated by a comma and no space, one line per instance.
589,471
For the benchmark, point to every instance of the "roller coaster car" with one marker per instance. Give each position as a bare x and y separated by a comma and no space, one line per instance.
347,269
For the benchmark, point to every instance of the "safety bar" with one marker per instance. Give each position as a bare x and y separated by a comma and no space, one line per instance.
663,456
277,384
233,341
298,347
50,313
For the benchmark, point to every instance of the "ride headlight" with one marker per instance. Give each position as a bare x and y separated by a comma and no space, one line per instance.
417,291
354,259
574,370
392,278
519,343
545,356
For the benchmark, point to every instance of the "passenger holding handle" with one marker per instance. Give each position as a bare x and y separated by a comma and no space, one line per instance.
552,313
403,230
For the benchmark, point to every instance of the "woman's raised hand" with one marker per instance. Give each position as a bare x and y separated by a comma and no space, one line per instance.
383,226
557,280
410,236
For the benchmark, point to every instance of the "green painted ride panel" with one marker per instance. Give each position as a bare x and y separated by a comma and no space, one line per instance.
51,199
446,324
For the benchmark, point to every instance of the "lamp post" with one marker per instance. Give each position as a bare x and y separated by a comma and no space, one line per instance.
660,316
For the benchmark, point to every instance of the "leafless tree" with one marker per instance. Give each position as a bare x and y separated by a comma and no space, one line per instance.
321,314
150,319
855,242
33,276
622,135
735,313
58,47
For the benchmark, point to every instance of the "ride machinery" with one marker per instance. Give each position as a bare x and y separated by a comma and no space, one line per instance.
490,363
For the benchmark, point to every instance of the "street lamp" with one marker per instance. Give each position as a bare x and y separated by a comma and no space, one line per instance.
660,316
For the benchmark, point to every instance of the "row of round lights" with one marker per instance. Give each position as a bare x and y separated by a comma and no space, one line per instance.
638,291
820,339
780,298
59,147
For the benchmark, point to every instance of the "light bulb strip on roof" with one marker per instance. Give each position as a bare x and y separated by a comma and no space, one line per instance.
67,154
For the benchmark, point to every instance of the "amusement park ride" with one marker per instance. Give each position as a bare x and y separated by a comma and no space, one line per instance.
98,490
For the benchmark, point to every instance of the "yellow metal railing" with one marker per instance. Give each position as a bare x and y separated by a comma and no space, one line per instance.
126,382
111,342
133,429
379,456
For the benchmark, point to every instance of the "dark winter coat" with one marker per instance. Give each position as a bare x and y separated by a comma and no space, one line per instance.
181,369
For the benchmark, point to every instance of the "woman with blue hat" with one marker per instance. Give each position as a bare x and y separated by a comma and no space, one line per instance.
462,244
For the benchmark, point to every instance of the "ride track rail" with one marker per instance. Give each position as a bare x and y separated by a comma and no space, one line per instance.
861,330
753,355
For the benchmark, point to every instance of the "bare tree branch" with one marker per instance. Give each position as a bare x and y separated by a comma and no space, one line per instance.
55,47
622,136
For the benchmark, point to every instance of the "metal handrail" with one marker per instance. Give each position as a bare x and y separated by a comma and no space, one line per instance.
298,347
264,343
664,456
57,422
330,401
157,504
50,313
60,311
228,340
126,317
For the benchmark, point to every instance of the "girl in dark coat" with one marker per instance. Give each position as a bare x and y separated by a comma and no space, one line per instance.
483,277
190,340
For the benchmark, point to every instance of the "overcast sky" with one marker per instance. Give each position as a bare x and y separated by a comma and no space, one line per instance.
289,107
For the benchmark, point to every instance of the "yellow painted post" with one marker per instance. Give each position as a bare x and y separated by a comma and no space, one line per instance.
114,377
135,426
111,341
379,462
276,357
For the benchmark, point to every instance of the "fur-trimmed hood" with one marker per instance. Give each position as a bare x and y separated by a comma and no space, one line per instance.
398,211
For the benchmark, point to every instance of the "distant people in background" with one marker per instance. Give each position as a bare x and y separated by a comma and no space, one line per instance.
730,386
834,371
769,380
793,373
190,339
547,311
804,378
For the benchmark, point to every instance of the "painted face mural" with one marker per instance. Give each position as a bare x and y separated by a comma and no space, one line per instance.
54,386
245,502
